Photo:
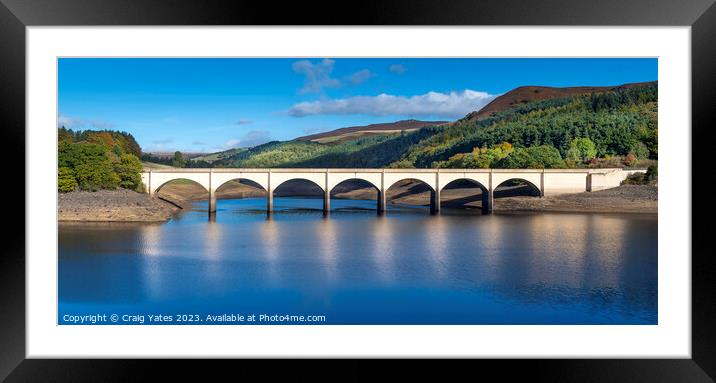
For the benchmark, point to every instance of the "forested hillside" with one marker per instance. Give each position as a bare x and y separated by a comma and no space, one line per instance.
97,159
616,128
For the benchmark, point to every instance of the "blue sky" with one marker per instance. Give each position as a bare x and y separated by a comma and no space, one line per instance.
206,105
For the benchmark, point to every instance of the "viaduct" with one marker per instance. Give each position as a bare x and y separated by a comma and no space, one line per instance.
547,181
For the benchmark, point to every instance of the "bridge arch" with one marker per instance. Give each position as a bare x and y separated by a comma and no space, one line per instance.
303,188
251,183
360,183
465,179
219,177
462,200
354,179
532,177
335,179
237,188
419,181
420,186
294,180
158,179
516,186
195,191
157,189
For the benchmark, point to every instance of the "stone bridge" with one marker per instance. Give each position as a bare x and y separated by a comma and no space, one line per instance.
547,181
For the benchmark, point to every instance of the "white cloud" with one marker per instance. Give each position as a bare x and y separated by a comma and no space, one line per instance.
76,123
318,76
251,138
232,143
454,104
360,77
244,122
397,68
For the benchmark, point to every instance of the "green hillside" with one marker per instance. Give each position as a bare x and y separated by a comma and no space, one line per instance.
210,158
612,128
97,159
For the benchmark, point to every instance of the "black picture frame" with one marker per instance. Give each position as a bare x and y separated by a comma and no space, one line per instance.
16,15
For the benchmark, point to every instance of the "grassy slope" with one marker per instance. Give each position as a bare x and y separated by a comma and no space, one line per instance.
152,165
354,132
219,155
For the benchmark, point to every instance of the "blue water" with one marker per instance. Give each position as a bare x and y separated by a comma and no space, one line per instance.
354,267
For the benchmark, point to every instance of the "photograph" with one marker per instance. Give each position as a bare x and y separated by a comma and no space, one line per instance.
357,190
472,180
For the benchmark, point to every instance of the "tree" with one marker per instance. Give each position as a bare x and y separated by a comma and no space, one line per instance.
117,150
652,143
95,176
581,149
652,173
640,150
534,157
178,161
127,169
90,164
66,180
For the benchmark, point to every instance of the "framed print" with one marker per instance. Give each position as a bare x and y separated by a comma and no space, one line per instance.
464,181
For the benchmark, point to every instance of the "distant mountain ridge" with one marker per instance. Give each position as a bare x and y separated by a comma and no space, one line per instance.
353,132
526,94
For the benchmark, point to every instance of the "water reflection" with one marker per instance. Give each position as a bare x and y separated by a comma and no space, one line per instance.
437,245
356,267
328,245
382,250
270,241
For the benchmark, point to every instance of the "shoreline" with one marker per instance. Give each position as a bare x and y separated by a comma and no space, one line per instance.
119,205
133,207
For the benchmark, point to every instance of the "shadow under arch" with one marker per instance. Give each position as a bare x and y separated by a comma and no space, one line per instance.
301,189
410,192
356,189
237,188
466,194
249,195
516,187
180,191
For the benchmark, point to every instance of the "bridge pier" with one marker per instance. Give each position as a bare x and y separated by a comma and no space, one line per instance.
487,201
326,196
326,202
381,202
269,201
434,202
212,202
212,194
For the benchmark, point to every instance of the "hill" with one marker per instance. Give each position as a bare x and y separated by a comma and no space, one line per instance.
610,123
218,155
355,132
526,94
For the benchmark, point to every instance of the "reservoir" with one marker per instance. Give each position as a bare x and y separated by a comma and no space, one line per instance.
355,267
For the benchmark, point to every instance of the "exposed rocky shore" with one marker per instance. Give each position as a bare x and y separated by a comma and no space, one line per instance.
113,206
622,199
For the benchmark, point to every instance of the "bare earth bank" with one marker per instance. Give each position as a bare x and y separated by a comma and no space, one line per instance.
622,199
113,206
